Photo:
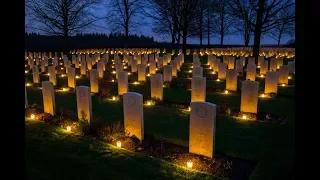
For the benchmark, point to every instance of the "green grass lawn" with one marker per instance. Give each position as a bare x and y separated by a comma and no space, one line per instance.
271,145
53,153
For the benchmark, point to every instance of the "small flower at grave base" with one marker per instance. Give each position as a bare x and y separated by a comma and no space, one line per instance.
226,91
32,116
244,116
69,128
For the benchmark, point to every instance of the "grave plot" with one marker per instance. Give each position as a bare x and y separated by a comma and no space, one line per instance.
185,109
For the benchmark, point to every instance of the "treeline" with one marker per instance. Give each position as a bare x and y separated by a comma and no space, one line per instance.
37,42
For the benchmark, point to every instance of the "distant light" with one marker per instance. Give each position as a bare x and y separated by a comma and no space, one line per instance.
119,144
189,164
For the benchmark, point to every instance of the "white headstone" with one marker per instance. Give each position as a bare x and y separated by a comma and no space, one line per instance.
142,72
52,75
251,72
198,89
264,67
271,82
249,96
84,104
202,128
48,98
197,71
133,114
123,82
283,74
71,77
232,80
157,86
94,85
222,71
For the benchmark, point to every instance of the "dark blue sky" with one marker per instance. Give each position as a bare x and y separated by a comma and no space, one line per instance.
100,10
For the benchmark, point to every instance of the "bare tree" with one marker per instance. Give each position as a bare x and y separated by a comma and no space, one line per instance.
124,15
209,19
285,28
164,17
61,17
267,16
188,13
173,17
241,25
224,20
197,27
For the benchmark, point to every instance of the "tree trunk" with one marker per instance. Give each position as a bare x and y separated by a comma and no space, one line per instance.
127,29
256,42
246,42
258,30
65,36
280,36
221,28
184,38
246,37
208,30
279,39
201,26
173,39
221,39
179,39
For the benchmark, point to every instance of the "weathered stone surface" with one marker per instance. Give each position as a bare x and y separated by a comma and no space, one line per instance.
198,89
94,85
123,85
71,77
84,104
251,72
48,95
271,82
264,67
142,68
232,80
197,71
133,114
157,86
202,128
222,71
249,96
283,74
